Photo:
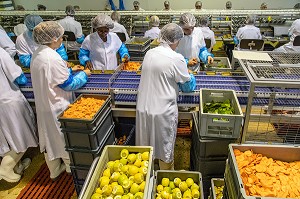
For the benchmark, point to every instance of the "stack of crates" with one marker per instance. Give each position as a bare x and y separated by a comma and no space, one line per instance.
85,139
211,137
138,47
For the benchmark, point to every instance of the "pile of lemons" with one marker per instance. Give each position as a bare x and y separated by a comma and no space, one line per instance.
124,178
177,189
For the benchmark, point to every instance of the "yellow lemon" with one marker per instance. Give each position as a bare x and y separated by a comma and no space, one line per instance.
98,190
131,196
122,178
133,170
123,161
142,186
195,193
139,195
145,163
131,158
159,188
118,190
124,153
104,180
124,169
177,181
172,185
165,195
187,194
195,186
143,170
117,166
126,184
177,194
138,163
110,165
138,178
145,156
189,182
106,190
96,196
183,186
134,188
168,189
106,172
165,182
125,197
115,176
113,184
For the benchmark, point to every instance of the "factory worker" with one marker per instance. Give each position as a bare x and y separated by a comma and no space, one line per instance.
115,16
263,6
198,5
192,46
164,72
25,44
98,50
228,5
71,25
17,122
136,6
294,31
167,6
53,85
207,32
20,29
154,31
7,44
249,31
77,8
41,7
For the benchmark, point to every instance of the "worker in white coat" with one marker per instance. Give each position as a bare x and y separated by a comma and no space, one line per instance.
192,46
53,85
25,44
294,31
98,50
164,72
207,32
118,28
249,31
7,44
17,121
154,29
136,6
167,6
71,25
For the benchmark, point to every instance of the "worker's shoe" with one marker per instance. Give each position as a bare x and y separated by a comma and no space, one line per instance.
22,165
8,163
67,163
9,175
55,166
57,172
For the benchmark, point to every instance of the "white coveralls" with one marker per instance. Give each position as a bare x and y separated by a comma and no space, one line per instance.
25,44
248,32
7,44
103,54
157,111
152,33
209,34
289,47
71,25
119,28
20,29
190,45
48,70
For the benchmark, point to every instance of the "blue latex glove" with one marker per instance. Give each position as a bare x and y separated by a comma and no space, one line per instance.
84,56
11,34
74,82
80,39
21,80
25,60
236,40
203,55
62,52
188,86
123,51
186,61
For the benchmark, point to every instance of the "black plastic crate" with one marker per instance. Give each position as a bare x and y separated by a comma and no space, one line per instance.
81,157
89,139
78,186
79,173
87,124
128,130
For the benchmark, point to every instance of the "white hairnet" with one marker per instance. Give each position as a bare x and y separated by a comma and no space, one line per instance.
154,21
136,3
170,34
115,16
187,20
250,19
47,32
70,11
204,21
32,20
102,20
198,3
294,29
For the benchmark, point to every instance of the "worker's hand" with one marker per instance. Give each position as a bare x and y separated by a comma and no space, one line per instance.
210,60
89,65
87,72
192,62
125,59
77,68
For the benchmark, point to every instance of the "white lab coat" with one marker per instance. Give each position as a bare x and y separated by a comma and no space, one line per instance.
71,25
20,29
190,45
25,44
209,34
289,47
17,122
119,28
103,54
152,33
248,32
156,110
7,44
140,9
48,70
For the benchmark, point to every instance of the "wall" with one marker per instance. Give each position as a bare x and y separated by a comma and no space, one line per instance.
156,4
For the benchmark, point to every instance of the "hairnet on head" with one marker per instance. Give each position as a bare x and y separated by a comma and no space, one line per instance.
32,20
47,32
187,20
70,11
115,16
167,3
154,21
102,20
204,21
170,34
250,19
294,29
198,3
136,3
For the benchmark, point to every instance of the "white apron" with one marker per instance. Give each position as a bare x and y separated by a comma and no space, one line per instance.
25,44
152,33
7,44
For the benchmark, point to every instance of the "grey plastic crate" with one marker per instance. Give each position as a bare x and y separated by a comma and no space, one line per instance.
213,125
79,173
80,157
87,124
216,182
131,46
89,139
183,175
233,178
217,61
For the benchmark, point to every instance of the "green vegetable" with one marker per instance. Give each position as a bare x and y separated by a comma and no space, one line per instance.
218,107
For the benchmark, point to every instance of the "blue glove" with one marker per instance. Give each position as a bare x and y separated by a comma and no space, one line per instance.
236,40
203,55
188,86
84,56
62,52
123,51
25,60
11,34
74,82
80,39
186,61
21,80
